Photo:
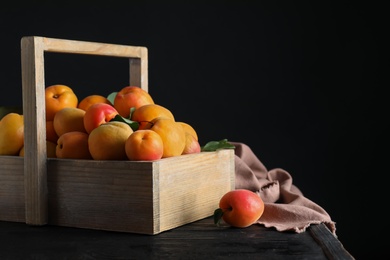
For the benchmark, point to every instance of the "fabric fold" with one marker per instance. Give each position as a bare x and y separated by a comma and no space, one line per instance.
285,207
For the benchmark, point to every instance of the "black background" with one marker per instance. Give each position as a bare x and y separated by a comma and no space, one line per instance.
301,84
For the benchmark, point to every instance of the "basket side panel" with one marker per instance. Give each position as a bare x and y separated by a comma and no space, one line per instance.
192,185
12,189
115,196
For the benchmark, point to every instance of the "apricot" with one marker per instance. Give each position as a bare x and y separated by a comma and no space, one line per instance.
86,102
50,150
69,119
171,133
189,129
107,141
51,134
73,145
58,97
239,208
146,113
144,145
191,144
131,96
98,114
11,134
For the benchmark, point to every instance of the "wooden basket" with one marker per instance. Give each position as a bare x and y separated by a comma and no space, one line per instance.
137,197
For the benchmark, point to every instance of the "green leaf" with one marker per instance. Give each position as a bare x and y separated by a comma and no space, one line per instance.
218,213
133,124
216,145
111,97
131,112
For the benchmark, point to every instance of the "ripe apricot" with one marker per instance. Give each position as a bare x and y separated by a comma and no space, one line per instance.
11,134
191,144
50,150
107,141
86,102
189,129
146,113
239,208
51,134
98,114
144,145
131,96
69,119
58,97
73,145
171,133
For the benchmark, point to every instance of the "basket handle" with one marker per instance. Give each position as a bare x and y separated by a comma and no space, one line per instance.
33,91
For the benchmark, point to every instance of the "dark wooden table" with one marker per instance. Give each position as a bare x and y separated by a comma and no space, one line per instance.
198,240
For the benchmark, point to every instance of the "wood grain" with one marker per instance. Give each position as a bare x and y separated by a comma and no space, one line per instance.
198,240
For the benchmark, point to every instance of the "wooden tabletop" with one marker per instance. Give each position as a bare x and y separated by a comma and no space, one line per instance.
198,240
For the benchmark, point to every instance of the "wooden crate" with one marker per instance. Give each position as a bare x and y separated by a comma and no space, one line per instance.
125,196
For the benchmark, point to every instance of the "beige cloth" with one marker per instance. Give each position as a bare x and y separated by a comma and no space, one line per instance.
285,207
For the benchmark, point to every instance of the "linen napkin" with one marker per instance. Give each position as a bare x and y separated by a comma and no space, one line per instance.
285,207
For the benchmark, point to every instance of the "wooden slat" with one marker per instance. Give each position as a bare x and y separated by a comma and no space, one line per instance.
332,247
91,48
33,82
138,55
